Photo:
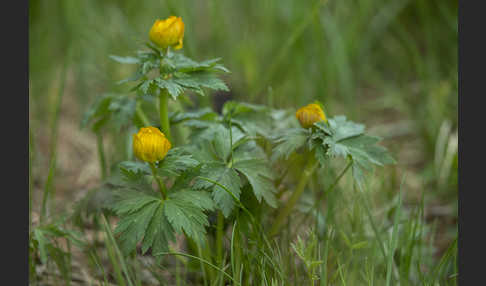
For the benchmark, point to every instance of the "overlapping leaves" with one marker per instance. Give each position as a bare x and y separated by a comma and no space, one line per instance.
44,240
344,138
154,221
147,218
228,160
337,137
117,109
247,119
173,72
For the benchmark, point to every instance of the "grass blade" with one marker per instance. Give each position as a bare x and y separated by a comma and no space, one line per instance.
116,256
394,238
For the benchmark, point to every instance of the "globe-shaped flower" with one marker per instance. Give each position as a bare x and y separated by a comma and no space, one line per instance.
168,32
150,145
310,114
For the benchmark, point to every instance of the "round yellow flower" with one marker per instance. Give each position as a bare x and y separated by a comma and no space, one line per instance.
310,114
150,145
168,32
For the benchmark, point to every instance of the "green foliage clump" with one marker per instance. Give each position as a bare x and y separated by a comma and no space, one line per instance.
238,186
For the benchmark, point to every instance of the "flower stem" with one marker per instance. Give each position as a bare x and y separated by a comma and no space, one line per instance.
164,113
321,196
282,216
162,189
101,154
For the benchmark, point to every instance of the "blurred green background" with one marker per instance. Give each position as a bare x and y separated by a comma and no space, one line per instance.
390,64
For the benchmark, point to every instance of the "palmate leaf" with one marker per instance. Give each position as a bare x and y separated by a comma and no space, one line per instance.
184,210
289,142
195,81
181,63
201,114
154,221
177,73
172,87
340,128
123,110
246,119
134,222
177,83
347,139
134,175
213,139
260,178
98,109
228,177
117,109
134,169
252,119
175,162
218,166
363,150
158,233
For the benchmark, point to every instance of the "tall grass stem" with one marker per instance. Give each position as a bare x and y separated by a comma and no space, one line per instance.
53,140
219,242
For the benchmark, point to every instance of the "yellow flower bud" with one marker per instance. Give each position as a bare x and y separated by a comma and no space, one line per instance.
310,114
150,145
168,32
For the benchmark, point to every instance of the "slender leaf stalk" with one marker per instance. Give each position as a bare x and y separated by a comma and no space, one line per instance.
330,189
162,189
283,214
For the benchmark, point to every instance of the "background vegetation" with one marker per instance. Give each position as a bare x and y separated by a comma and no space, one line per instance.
389,64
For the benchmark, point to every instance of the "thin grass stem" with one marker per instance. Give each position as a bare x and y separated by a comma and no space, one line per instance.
53,140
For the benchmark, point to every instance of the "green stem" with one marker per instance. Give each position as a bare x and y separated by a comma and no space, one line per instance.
141,115
282,216
331,188
164,113
309,274
101,154
254,222
203,269
202,260
219,241
53,143
162,189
